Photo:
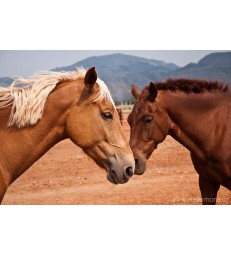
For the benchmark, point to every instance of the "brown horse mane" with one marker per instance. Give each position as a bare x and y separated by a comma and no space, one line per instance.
192,86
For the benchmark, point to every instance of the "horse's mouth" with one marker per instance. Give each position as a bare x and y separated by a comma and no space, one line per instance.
140,172
140,167
112,177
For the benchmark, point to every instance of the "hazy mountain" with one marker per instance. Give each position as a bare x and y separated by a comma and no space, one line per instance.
120,71
215,66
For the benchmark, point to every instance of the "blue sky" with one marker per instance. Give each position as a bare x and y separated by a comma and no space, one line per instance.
24,63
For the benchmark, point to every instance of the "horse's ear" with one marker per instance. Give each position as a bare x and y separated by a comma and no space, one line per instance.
90,78
135,92
152,92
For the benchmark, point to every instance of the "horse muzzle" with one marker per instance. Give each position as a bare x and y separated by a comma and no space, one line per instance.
120,177
140,165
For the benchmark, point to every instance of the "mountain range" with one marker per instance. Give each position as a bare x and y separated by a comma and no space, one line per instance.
215,66
120,71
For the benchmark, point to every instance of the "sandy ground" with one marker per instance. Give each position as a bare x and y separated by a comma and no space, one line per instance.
65,175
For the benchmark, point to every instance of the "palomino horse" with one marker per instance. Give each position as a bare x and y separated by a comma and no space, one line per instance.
54,106
195,113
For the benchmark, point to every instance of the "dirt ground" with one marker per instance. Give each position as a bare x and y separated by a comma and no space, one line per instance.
65,175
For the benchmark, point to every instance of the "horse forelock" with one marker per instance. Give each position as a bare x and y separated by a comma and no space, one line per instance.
27,103
103,93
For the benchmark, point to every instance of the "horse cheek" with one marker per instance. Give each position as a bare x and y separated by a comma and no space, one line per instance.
78,130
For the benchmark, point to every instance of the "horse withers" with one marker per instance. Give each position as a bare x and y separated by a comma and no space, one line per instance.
53,106
198,115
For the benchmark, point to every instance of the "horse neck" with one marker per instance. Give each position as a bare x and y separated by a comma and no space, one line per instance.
25,146
188,115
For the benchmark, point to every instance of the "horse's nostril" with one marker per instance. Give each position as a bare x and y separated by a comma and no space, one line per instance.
129,171
136,161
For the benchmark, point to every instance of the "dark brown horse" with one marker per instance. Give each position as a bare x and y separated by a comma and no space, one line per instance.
195,113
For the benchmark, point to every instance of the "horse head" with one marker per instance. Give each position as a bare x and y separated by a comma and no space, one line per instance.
93,124
149,124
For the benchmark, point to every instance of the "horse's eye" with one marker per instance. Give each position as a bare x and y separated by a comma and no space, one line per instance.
107,115
148,120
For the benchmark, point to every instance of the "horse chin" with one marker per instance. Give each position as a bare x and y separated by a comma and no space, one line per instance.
115,178
111,176
140,171
140,167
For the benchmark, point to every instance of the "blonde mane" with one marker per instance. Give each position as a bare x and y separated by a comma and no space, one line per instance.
27,103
